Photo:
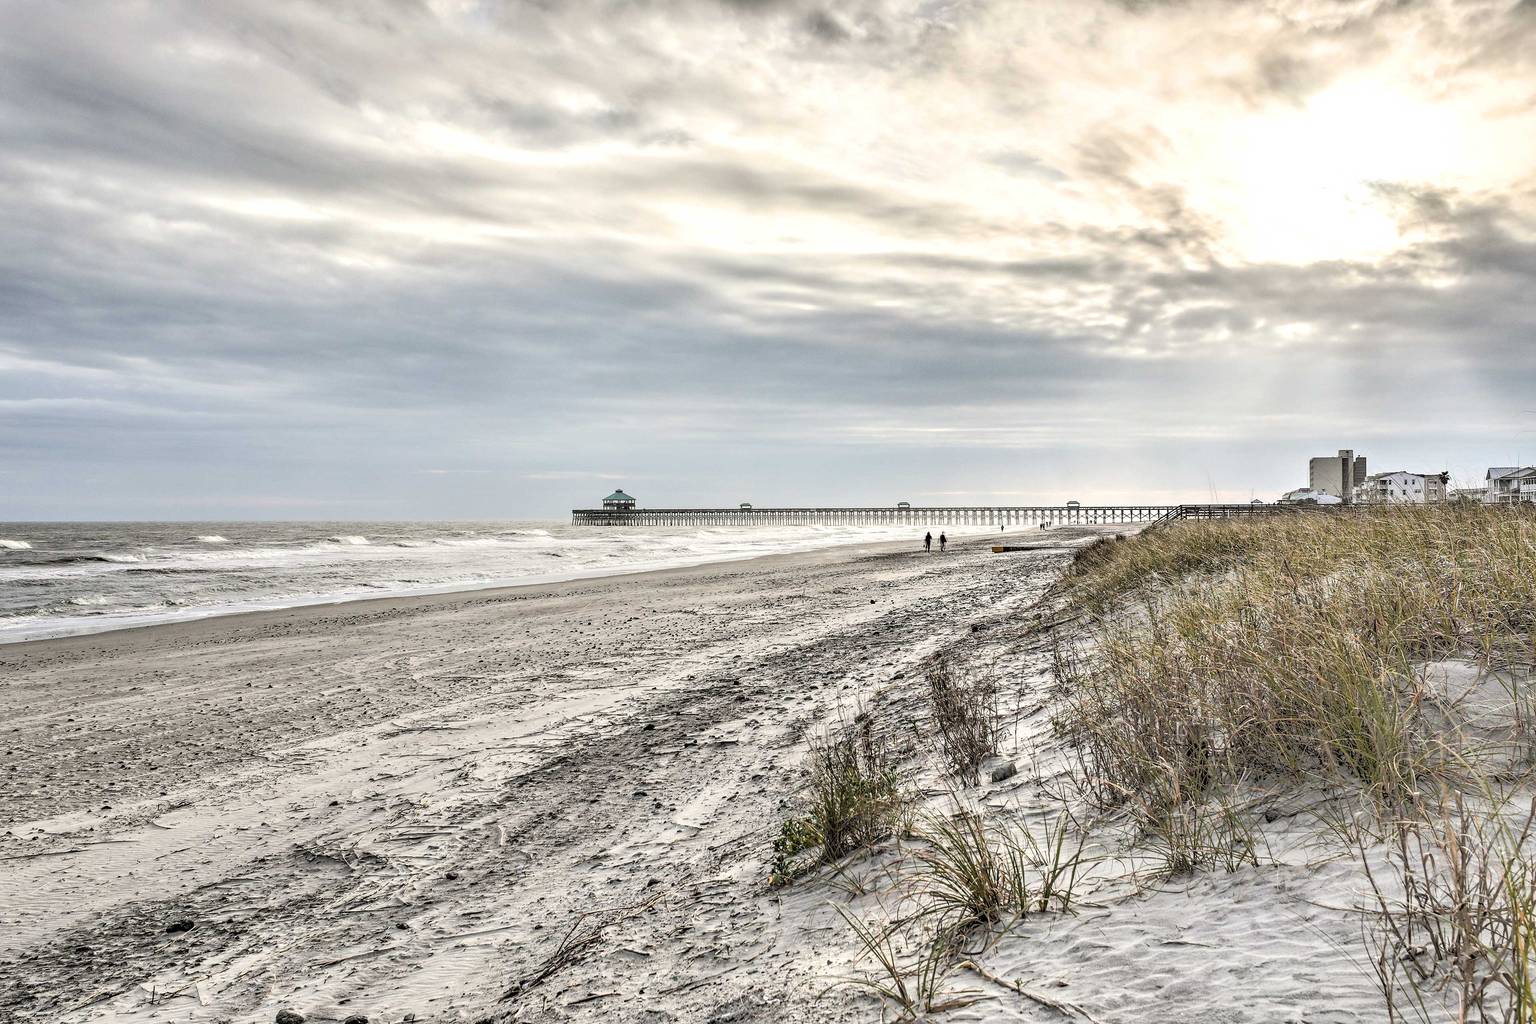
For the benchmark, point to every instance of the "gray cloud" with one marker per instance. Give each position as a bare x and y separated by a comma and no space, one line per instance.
851,248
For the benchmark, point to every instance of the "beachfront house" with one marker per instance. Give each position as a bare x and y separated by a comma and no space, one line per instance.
618,501
1402,487
1337,475
1506,484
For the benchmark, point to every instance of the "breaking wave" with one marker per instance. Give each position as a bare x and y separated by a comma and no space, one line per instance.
82,559
80,577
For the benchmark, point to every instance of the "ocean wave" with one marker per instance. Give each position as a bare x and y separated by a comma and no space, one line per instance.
14,545
213,538
350,538
84,604
81,559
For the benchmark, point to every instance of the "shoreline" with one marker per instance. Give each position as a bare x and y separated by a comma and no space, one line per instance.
449,591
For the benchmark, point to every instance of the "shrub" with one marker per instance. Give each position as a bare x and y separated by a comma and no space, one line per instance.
855,800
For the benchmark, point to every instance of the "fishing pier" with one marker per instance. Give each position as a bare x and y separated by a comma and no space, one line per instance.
900,515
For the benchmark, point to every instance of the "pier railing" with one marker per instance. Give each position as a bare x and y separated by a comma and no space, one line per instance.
970,515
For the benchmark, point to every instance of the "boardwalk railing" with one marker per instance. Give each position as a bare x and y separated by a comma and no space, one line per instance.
1020,515
1179,512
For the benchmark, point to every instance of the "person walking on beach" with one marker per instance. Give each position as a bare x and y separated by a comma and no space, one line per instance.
943,540
928,541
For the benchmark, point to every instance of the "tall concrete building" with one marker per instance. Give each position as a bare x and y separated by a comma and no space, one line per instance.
1337,475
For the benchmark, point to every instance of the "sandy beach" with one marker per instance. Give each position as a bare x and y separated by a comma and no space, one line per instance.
399,807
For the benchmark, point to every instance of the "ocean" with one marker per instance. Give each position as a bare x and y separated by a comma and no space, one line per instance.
58,579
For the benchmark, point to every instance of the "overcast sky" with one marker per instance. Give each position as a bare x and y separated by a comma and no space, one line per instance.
446,258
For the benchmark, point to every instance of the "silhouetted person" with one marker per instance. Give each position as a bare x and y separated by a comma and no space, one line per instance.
928,541
943,540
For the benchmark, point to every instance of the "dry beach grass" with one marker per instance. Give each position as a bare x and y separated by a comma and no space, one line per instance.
1313,652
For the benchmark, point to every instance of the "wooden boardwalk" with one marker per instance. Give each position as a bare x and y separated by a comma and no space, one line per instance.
977,515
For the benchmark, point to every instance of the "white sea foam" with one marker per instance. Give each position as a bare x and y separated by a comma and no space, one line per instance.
185,576
15,545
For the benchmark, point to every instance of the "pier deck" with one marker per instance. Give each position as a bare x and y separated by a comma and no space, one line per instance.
972,515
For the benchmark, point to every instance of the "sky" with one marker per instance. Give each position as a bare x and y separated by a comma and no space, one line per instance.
494,258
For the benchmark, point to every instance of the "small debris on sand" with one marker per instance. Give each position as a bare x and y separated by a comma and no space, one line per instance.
1003,770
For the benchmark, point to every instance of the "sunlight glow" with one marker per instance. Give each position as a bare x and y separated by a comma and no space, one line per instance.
1300,184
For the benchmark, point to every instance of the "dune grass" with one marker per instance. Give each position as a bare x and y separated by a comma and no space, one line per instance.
1455,912
967,719
967,878
1289,645
854,800
1298,651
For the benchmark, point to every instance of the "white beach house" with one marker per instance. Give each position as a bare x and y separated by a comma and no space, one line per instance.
1402,487
1505,484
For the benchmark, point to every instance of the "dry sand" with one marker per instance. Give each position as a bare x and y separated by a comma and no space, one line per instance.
399,806
402,807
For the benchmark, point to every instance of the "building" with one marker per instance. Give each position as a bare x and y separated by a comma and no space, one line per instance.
1400,486
1306,495
618,501
1507,484
1336,474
